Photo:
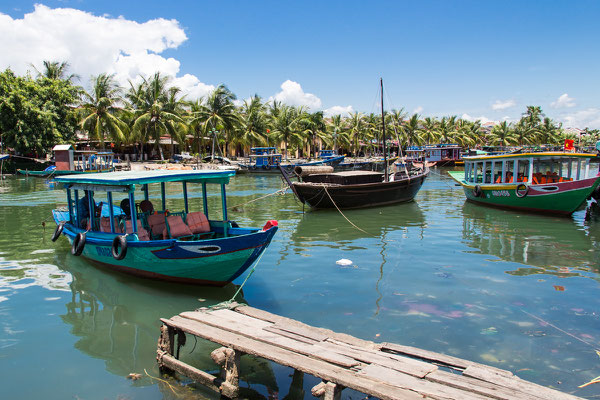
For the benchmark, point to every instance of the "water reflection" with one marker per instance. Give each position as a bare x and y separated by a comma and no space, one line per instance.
117,319
330,228
545,245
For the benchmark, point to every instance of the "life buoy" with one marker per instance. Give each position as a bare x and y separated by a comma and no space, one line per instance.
119,247
78,244
477,192
521,190
58,231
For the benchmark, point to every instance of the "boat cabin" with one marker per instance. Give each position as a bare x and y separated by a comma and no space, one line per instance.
264,157
327,154
68,159
434,153
122,205
534,168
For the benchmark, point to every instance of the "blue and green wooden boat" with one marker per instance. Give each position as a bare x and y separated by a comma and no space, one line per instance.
556,183
148,240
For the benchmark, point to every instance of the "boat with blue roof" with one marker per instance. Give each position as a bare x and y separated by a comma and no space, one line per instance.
266,159
126,231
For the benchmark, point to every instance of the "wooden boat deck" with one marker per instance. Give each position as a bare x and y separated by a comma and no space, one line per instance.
383,370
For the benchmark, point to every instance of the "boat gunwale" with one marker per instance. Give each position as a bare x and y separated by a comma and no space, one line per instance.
539,155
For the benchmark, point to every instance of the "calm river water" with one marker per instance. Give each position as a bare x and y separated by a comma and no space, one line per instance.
516,291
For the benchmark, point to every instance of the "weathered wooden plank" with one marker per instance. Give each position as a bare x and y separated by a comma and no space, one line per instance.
241,318
438,357
485,374
484,388
406,365
422,386
318,368
269,337
290,335
310,333
277,319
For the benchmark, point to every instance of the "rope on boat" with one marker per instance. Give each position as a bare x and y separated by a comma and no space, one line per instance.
228,304
340,211
446,178
280,191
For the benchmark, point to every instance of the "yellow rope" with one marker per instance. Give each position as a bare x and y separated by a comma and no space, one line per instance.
340,211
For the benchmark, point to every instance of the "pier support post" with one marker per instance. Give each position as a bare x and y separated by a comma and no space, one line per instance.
327,391
229,360
166,343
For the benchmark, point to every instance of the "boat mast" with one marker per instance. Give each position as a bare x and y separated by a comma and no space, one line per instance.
385,166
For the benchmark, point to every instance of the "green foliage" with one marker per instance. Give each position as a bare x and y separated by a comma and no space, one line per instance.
36,114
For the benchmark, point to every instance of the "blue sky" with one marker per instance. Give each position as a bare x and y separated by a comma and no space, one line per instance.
477,59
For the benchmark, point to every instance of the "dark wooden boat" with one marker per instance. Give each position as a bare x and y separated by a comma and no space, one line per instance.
320,188
357,189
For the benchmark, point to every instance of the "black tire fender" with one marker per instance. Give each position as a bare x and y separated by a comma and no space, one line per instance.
78,244
119,247
58,231
477,192
519,190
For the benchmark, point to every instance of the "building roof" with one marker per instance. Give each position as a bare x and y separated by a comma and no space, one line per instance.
62,147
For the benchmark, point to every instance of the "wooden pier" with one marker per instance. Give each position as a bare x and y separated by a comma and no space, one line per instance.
383,370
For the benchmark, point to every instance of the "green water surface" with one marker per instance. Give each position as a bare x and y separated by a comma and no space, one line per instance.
517,291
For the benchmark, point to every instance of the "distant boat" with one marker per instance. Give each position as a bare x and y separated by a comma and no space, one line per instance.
438,154
266,160
357,189
549,182
68,162
179,246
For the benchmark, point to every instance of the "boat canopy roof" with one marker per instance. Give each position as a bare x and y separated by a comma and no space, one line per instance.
540,155
128,178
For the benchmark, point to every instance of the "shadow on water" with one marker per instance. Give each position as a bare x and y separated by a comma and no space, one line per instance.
543,244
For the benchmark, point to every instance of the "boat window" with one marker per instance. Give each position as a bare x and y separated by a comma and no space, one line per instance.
523,171
496,172
478,172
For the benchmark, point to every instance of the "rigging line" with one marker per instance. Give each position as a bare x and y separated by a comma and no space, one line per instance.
340,211
560,330
280,191
445,181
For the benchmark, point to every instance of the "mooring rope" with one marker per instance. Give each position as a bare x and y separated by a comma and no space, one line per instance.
229,303
340,211
280,191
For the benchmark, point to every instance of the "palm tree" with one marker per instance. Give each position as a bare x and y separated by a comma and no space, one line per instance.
548,132
524,132
56,71
286,126
411,129
428,133
155,117
253,121
356,130
100,110
446,129
533,116
218,113
502,135
313,125
337,134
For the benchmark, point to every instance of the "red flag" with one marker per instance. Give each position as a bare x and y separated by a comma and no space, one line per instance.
569,145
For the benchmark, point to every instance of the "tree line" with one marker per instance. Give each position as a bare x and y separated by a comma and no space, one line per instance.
38,112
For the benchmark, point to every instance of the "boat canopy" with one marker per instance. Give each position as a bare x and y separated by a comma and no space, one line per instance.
546,155
130,178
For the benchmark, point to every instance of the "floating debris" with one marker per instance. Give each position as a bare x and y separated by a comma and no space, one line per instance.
344,261
134,377
559,288
489,331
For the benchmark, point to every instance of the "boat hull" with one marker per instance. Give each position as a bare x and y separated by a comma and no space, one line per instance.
46,174
360,195
562,198
214,262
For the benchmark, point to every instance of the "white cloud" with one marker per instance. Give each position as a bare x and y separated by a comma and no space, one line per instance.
588,118
418,110
481,119
192,86
503,105
338,110
93,45
564,101
293,95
